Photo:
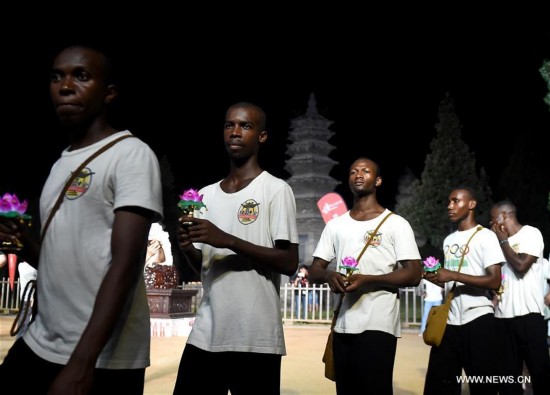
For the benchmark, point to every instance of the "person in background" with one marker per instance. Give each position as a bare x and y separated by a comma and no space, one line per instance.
469,341
241,245
159,248
3,264
368,324
160,273
433,296
521,328
93,324
301,295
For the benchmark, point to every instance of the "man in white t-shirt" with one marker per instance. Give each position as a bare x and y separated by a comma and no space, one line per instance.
240,246
522,330
472,262
368,324
93,322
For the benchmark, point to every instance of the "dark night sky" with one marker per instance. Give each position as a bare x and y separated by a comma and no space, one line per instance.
380,88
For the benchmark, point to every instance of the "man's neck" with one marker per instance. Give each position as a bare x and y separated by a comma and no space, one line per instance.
240,177
467,224
87,134
514,228
366,208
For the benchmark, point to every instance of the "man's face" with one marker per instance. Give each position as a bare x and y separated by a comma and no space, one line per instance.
362,177
77,85
459,205
243,132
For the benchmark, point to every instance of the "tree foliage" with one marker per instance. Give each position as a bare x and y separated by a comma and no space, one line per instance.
407,186
449,164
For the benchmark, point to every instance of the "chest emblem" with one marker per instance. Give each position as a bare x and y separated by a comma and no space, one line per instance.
80,184
248,212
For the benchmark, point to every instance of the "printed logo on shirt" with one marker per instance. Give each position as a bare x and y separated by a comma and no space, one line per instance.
248,212
456,250
80,184
376,240
453,256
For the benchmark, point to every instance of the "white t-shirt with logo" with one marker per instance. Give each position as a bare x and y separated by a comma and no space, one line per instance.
374,307
483,251
76,251
240,308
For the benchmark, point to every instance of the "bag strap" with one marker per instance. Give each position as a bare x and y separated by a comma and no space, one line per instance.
30,288
369,240
372,236
75,174
479,227
27,308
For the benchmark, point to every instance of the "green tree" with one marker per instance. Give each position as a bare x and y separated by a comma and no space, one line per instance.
407,186
449,164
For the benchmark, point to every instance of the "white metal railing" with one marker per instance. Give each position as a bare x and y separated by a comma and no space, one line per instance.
311,304
9,300
315,304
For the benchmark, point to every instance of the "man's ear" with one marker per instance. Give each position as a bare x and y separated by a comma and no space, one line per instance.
472,205
378,181
262,138
110,94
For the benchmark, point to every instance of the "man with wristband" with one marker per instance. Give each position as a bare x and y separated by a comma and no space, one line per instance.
520,311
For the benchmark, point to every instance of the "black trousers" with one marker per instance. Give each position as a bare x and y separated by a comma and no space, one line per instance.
215,373
21,362
523,339
472,347
364,362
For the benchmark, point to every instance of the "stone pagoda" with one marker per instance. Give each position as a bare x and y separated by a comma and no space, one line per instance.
309,166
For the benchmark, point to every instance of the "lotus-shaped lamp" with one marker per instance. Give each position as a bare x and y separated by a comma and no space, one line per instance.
431,264
349,264
190,201
11,207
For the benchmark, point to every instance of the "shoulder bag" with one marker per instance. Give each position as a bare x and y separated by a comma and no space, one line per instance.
328,356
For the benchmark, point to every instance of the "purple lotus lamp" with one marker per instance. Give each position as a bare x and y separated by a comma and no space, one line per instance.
190,201
431,264
12,208
349,264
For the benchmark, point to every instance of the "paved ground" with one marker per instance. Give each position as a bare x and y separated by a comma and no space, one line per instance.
302,369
